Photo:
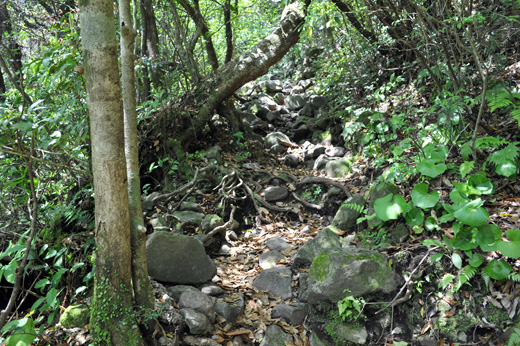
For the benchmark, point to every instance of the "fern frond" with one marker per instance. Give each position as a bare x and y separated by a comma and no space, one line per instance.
356,207
489,142
499,100
505,155
515,113
465,274
514,277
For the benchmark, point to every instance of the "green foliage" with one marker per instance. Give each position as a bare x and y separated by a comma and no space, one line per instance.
350,308
19,332
514,338
389,207
506,160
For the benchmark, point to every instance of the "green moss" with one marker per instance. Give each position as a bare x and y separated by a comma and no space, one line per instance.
320,267
75,316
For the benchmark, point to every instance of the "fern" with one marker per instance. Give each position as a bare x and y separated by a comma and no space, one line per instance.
499,100
505,160
514,277
466,274
356,207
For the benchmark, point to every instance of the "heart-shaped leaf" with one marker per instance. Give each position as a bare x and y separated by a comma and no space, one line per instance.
479,184
475,259
488,236
472,214
498,270
511,248
422,199
389,207
431,168
465,239
414,217
507,169
431,224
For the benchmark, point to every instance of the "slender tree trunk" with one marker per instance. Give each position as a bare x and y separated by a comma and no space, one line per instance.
141,284
149,44
112,319
229,31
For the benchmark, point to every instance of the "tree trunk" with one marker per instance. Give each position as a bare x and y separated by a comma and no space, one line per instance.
112,318
149,46
144,299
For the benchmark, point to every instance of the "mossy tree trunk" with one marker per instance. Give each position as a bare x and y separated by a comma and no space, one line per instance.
112,318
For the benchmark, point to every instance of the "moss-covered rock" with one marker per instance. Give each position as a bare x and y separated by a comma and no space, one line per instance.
75,316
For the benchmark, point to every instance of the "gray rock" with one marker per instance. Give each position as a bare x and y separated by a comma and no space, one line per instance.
176,291
307,110
247,118
196,322
211,289
278,244
178,259
210,222
291,160
335,151
269,103
315,151
352,333
190,206
259,124
161,222
293,314
295,102
276,281
214,154
347,215
187,216
302,132
314,340
273,138
303,282
279,98
275,336
338,168
321,162
199,302
326,239
230,310
319,101
146,201
272,86
268,259
275,193
360,271
278,149
274,116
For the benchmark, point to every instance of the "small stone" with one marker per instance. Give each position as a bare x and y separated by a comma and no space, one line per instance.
211,289
197,322
293,314
268,259
199,302
275,193
278,244
275,336
276,281
176,291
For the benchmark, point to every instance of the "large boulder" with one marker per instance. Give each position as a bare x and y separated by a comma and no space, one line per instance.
273,138
326,239
178,259
276,336
337,273
295,102
338,168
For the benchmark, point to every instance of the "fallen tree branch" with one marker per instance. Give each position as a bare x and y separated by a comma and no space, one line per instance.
305,203
220,229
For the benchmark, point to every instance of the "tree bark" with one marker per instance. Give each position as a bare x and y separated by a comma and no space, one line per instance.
112,318
229,31
143,294
149,46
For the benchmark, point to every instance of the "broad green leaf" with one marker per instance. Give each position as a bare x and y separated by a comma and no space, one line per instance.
430,168
479,184
389,207
431,224
475,259
510,248
472,214
466,239
457,260
422,199
42,283
498,270
23,335
414,217
9,271
23,125
488,236
436,257
51,296
466,167
507,169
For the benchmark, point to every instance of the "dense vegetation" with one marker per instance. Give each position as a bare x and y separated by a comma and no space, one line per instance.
425,94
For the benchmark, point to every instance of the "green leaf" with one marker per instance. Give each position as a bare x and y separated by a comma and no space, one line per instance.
457,260
430,168
436,257
414,217
446,280
422,199
488,236
475,259
466,167
498,270
507,169
23,125
510,249
479,184
9,271
431,224
472,214
22,332
389,207
432,242
466,239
